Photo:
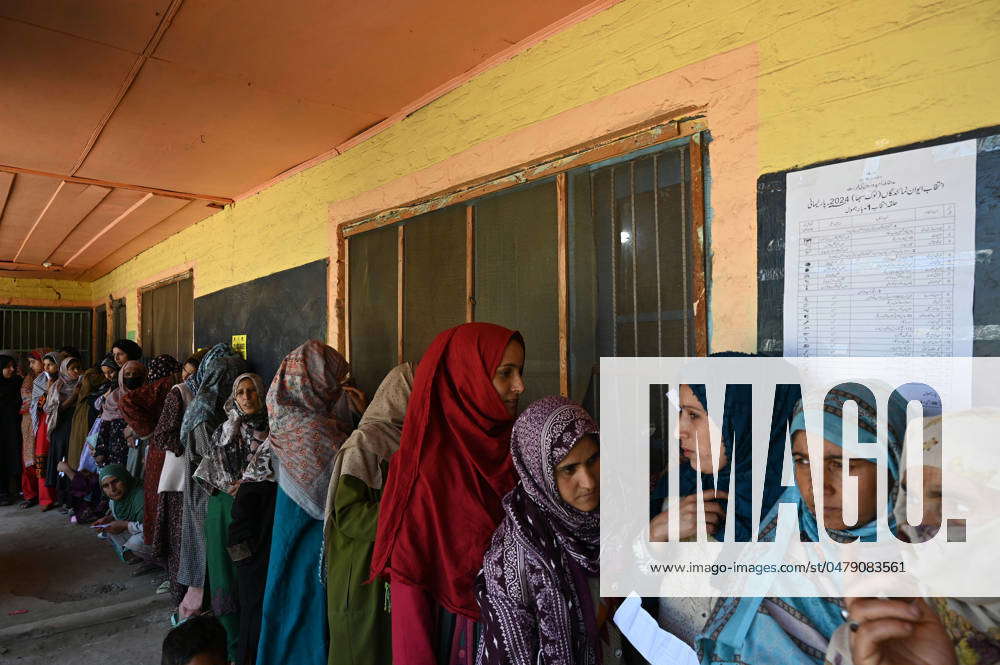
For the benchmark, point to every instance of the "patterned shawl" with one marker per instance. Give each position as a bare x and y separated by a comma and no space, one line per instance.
532,589
111,410
305,435
223,467
60,391
793,630
453,466
40,388
214,380
130,507
141,407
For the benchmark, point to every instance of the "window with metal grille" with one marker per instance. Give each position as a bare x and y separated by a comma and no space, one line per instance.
600,254
167,313
25,328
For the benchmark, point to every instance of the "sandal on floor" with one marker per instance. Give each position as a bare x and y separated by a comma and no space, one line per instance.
29,503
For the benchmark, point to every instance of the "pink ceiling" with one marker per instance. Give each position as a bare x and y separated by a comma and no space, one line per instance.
106,101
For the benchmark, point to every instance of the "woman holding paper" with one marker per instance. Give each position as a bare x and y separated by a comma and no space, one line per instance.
760,631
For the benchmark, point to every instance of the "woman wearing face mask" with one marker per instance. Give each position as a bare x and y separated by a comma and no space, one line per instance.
202,416
221,471
10,428
39,395
141,410
305,437
760,631
453,467
29,420
112,443
538,586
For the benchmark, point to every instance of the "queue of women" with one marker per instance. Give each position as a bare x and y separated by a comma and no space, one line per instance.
431,525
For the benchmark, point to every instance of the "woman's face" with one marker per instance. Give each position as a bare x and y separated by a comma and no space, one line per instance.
693,430
508,378
247,397
50,366
132,377
35,364
8,370
188,371
120,356
109,374
930,522
578,475
833,495
73,369
113,488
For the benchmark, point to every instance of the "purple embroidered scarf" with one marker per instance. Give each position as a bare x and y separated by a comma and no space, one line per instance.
532,589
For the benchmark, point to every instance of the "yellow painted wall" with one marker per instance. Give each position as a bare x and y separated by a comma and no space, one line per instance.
44,292
835,79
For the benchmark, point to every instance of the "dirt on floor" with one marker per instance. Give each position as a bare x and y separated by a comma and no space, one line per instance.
76,596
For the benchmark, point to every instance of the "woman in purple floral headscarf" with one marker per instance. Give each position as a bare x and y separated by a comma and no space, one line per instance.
538,586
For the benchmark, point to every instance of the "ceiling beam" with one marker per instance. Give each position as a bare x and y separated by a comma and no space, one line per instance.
107,229
6,183
133,73
211,198
38,220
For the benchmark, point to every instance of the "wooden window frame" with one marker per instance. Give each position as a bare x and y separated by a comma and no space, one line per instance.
152,286
619,144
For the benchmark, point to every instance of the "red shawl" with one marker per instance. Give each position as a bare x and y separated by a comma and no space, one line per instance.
441,502
141,407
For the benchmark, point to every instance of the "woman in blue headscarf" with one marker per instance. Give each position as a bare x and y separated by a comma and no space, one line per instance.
759,631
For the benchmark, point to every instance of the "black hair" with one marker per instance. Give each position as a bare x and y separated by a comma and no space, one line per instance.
131,349
71,351
200,634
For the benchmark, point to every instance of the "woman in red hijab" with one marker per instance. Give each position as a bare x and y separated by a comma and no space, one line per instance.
441,502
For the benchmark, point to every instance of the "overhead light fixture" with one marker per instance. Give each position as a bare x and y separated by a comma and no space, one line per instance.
46,264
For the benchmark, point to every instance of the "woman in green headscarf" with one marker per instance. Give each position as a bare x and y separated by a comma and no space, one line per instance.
123,526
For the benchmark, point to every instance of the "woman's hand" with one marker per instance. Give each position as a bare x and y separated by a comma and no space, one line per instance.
191,604
897,632
116,526
687,516
102,521
234,488
129,432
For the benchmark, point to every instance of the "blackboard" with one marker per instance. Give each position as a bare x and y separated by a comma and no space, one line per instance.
986,297
277,313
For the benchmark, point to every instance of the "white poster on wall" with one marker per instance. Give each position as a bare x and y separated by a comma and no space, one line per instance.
880,255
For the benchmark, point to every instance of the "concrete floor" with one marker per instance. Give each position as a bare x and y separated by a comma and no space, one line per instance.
83,606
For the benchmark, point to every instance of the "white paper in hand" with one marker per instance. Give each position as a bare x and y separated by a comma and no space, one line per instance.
655,644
